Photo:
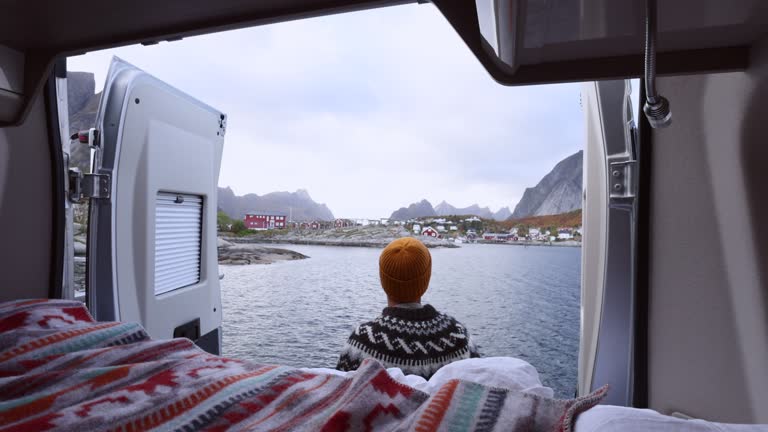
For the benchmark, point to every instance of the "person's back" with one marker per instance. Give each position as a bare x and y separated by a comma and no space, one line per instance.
408,335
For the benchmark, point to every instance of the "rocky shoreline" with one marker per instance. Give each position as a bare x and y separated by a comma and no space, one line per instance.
375,237
567,243
229,254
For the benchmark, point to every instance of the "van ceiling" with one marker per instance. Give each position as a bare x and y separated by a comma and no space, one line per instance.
80,25
554,41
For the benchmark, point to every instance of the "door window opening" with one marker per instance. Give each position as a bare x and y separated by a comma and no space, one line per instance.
389,149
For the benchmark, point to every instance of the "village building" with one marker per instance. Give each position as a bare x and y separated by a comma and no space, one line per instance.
497,237
319,224
264,220
429,231
416,229
441,228
453,228
342,223
564,234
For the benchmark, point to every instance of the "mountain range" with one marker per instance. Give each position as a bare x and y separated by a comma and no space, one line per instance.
424,208
298,205
558,192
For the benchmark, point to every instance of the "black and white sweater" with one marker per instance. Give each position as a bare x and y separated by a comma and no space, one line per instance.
418,341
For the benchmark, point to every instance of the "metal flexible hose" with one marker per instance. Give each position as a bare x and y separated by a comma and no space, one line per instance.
656,107
650,50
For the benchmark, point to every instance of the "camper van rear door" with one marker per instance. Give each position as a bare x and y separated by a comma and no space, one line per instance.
152,253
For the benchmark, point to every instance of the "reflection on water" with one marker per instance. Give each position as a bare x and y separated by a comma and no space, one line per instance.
516,301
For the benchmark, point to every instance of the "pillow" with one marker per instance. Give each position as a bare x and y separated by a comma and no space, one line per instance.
504,372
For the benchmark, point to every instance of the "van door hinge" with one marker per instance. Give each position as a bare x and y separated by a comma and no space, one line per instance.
622,179
84,186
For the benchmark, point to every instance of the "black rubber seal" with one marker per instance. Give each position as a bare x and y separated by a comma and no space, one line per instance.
58,216
643,238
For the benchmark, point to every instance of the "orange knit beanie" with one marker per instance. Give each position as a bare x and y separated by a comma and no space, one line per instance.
405,267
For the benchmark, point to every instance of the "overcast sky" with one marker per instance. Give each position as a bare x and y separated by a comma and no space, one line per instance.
368,111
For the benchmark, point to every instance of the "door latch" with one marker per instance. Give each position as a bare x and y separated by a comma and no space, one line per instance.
84,186
88,136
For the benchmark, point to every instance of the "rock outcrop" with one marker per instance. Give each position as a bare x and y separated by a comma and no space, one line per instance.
245,253
83,104
558,192
422,208
503,214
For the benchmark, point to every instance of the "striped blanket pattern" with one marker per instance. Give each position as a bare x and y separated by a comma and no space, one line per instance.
61,370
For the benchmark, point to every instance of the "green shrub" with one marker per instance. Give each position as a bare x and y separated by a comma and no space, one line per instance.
238,227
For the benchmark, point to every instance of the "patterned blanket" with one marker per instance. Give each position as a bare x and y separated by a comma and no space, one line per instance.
61,370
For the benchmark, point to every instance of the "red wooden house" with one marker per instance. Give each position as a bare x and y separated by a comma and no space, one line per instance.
429,231
263,220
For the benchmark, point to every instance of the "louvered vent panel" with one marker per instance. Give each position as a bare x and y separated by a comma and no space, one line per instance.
178,230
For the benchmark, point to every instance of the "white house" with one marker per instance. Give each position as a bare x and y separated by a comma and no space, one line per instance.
440,220
534,232
453,228
384,221
513,231
473,219
441,228
416,229
564,234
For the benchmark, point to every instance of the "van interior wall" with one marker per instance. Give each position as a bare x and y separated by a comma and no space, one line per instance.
25,207
708,311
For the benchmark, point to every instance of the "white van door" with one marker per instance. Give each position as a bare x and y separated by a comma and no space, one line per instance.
152,254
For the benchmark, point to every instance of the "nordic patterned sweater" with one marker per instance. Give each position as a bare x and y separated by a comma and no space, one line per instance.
418,341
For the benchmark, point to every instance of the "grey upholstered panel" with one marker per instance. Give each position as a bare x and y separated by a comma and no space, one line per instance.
709,269
25,208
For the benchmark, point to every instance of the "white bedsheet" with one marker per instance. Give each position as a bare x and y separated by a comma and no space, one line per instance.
515,374
505,372
607,418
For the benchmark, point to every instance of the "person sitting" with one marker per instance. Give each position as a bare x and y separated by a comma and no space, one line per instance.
408,335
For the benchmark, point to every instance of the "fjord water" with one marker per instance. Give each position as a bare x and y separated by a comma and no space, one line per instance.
516,301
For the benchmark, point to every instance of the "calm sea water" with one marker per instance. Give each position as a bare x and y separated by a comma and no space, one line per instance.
516,301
